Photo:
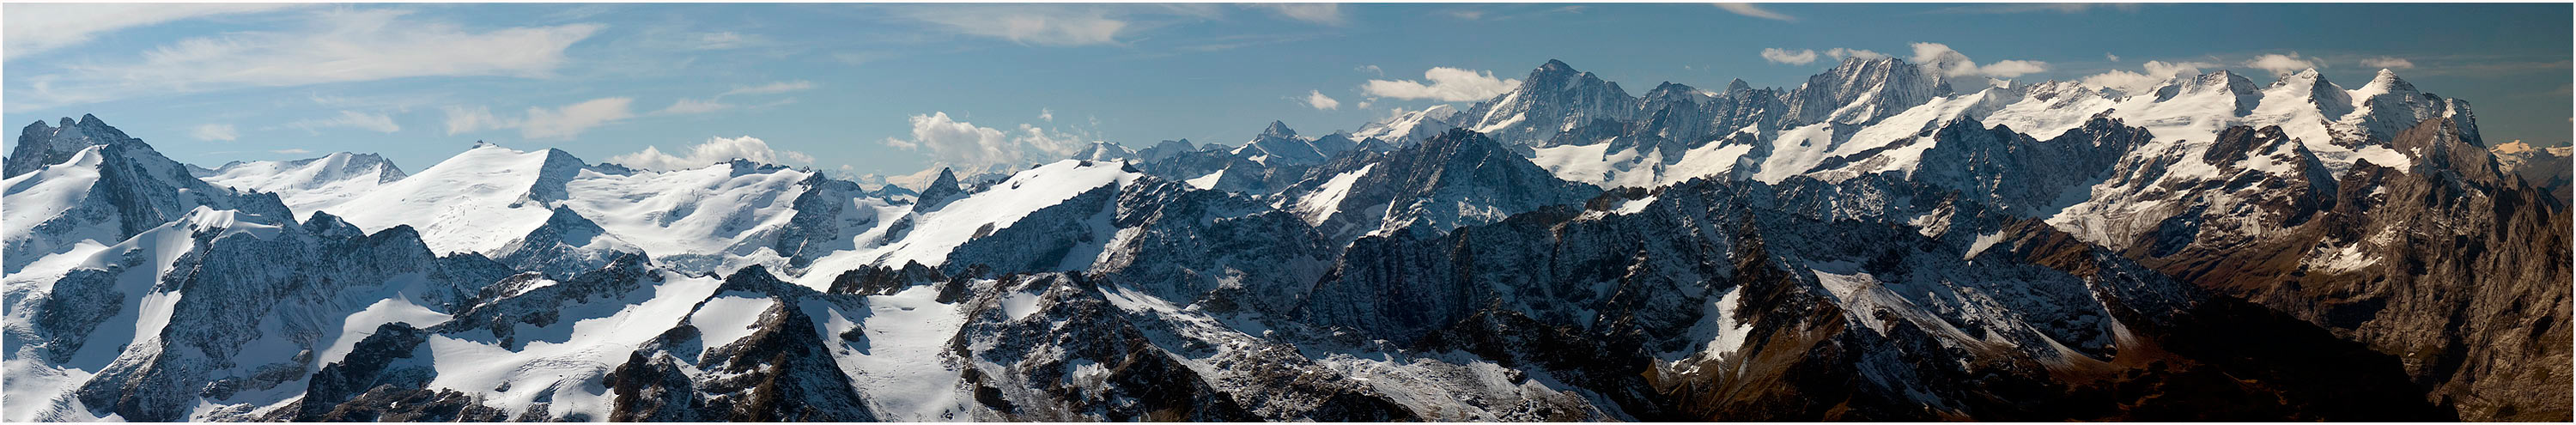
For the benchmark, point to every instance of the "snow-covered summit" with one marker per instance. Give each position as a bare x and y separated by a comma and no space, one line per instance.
308,185
1553,98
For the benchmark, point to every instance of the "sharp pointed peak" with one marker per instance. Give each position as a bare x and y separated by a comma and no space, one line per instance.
1278,128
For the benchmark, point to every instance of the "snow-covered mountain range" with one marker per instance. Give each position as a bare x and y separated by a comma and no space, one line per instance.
1869,245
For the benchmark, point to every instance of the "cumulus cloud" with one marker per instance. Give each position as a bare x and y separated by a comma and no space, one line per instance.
1317,99
563,122
332,46
2156,72
31,28
2281,64
715,150
1321,13
1371,69
974,148
1784,56
1949,62
1446,85
1749,9
214,132
2388,63
1046,114
349,119
2112,57
1838,53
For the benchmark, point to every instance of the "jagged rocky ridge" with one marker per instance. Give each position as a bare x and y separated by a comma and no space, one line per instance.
1871,246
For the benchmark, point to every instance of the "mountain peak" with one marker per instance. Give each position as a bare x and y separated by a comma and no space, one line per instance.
1278,129
1737,85
1555,65
2387,81
40,145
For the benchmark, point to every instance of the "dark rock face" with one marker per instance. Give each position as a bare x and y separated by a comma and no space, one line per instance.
2448,266
1551,98
1454,179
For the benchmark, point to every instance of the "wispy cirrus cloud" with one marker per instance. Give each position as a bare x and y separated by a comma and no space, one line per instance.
2388,62
2002,8
32,28
1055,25
330,46
215,132
380,123
1320,13
771,88
1753,10
562,122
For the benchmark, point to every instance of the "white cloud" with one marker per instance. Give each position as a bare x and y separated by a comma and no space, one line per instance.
1046,114
1447,85
2036,7
1948,62
1048,26
715,150
771,88
214,132
2112,57
350,119
333,46
724,40
543,123
1838,53
975,148
2281,64
2388,63
2157,72
31,28
1749,9
1940,57
1371,69
2013,68
693,106
1317,99
1321,13
1801,57
291,151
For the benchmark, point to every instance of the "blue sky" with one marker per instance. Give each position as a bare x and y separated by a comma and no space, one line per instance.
890,89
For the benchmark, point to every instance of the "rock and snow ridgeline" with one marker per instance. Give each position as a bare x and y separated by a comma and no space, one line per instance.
1868,245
